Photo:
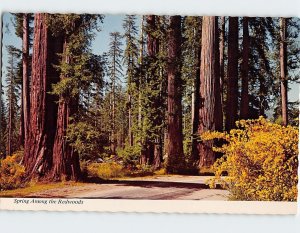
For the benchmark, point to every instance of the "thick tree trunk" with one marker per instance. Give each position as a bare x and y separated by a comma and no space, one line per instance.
65,159
283,72
245,71
175,160
221,62
207,90
195,107
152,49
43,107
232,73
25,99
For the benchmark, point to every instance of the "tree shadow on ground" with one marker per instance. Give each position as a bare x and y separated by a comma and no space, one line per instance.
153,184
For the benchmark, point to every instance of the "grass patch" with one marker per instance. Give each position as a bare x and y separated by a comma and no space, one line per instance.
34,188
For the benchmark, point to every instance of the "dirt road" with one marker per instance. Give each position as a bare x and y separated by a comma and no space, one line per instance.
173,187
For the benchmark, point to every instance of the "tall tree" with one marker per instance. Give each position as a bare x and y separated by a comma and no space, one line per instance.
115,71
75,31
222,64
232,74
191,49
175,159
12,100
207,90
153,108
25,117
218,115
244,111
283,71
24,31
43,107
130,59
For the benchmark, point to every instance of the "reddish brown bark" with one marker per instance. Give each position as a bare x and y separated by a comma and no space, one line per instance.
175,159
221,62
232,74
218,104
152,150
65,159
207,90
25,98
43,107
283,72
244,112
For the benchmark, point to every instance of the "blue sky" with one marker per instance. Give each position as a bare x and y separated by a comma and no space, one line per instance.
99,45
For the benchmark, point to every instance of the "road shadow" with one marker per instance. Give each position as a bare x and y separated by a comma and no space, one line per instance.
154,184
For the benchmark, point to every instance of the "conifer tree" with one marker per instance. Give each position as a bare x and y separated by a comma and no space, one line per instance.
130,60
208,76
38,151
12,100
191,50
232,74
244,112
175,160
24,31
76,34
115,54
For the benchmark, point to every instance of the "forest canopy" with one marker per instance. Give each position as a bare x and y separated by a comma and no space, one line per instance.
145,98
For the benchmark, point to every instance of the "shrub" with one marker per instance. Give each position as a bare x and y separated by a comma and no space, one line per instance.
105,170
130,154
261,160
11,172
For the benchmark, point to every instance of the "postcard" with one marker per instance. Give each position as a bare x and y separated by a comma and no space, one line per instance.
149,113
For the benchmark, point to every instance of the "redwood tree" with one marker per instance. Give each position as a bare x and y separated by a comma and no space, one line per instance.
207,90
25,118
151,152
221,62
75,31
232,74
175,159
43,107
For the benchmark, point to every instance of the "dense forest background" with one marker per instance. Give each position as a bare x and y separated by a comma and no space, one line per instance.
161,83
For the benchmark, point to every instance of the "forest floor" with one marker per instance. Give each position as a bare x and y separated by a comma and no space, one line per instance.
165,187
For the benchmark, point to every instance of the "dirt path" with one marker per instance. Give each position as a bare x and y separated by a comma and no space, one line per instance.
173,187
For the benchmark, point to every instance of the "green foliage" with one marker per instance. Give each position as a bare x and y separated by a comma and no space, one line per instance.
261,160
87,140
191,32
12,108
11,172
130,154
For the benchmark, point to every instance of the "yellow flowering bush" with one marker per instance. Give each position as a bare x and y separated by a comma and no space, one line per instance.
11,172
260,161
105,170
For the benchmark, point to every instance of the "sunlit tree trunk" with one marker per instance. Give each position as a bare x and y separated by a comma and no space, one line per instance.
43,106
25,98
207,90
